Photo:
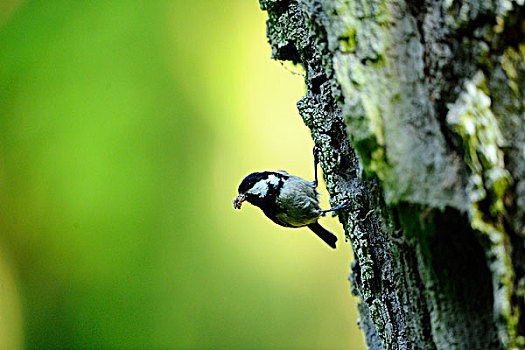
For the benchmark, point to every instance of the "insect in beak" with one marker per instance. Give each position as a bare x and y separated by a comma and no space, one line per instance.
237,202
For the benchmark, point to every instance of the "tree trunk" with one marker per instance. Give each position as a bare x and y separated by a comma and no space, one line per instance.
418,109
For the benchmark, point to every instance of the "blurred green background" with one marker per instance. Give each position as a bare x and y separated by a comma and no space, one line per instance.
125,129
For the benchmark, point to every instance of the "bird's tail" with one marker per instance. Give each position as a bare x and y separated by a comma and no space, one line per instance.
324,234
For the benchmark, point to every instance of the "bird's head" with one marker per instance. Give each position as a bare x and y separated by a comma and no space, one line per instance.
258,187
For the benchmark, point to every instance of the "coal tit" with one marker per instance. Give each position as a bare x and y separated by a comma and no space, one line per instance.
287,200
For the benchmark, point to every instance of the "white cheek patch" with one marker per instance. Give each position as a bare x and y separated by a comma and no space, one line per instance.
260,188
273,180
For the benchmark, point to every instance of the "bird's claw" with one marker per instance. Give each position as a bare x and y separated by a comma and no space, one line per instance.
316,162
341,206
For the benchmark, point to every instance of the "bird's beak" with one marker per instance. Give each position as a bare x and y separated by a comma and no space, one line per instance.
237,202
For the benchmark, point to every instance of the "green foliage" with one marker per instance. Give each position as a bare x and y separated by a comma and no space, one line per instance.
125,128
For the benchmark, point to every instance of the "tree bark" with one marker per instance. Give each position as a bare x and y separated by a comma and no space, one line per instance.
418,109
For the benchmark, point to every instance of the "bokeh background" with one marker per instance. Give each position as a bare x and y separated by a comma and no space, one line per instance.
125,129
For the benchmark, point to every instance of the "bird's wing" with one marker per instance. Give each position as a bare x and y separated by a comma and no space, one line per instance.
298,203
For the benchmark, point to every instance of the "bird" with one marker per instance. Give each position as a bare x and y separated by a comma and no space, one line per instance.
288,200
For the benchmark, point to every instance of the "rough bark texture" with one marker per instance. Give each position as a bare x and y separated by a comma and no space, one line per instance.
418,108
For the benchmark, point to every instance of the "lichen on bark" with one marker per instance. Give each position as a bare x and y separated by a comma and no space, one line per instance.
417,107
